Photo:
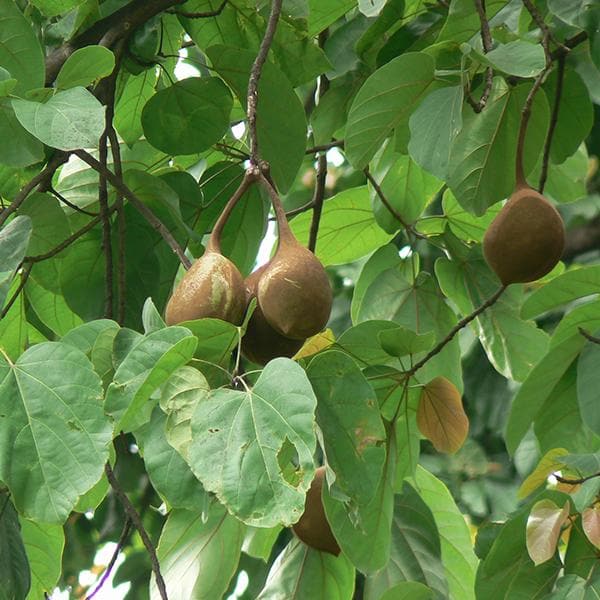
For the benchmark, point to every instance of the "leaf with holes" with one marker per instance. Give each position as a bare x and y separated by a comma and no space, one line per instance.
239,437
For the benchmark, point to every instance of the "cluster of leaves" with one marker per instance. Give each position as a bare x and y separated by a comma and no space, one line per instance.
215,455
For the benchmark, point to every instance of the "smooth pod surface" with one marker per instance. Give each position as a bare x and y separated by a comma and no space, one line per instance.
294,292
313,528
526,239
213,287
261,343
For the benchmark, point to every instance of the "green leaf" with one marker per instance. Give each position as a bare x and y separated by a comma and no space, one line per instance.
463,224
14,566
463,22
237,438
550,462
280,120
179,398
85,67
519,58
170,475
70,120
25,149
566,287
259,542
508,572
20,51
217,339
85,336
44,544
416,551
402,342
588,380
137,91
198,557
363,344
576,114
14,239
353,433
408,590
53,8
323,13
188,116
544,526
407,188
151,318
51,402
50,225
364,533
512,345
433,127
458,557
384,103
148,364
348,229
481,170
301,572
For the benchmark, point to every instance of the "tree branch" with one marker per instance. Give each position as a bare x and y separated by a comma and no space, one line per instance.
328,146
317,202
68,203
137,522
113,559
462,323
553,121
199,15
24,277
120,186
255,73
575,481
56,161
588,336
486,39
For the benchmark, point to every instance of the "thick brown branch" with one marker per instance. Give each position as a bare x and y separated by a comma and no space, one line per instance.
137,522
460,325
255,73
199,15
486,39
43,176
154,221
553,121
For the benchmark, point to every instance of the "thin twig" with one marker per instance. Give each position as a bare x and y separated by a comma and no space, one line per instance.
254,80
589,336
24,277
486,39
68,203
409,228
120,186
113,558
546,33
45,174
137,522
560,75
198,15
317,202
575,481
328,146
462,323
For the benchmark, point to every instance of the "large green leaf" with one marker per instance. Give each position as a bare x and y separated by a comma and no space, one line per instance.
566,287
416,552
462,21
482,165
433,127
347,230
14,239
363,533
406,186
384,103
24,149
44,544
353,433
323,13
280,121
147,365
239,438
300,572
54,442
14,566
188,116
198,556
519,58
513,346
170,475
85,66
70,120
458,558
20,51
588,380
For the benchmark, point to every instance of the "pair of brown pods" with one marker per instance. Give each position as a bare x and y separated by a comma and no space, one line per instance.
292,290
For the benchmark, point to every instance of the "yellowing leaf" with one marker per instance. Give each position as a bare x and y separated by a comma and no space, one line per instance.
591,525
315,344
547,465
441,417
543,529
